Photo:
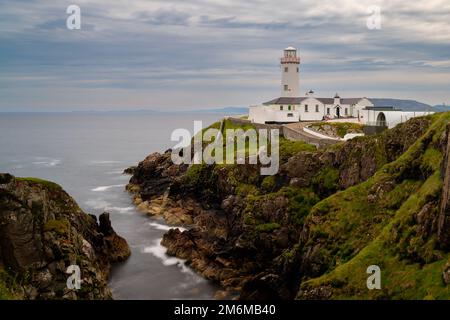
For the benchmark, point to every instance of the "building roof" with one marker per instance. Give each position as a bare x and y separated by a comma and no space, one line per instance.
290,48
298,100
326,100
286,100
405,105
383,108
350,100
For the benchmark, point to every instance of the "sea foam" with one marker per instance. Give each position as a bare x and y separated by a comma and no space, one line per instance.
159,252
104,188
164,227
101,204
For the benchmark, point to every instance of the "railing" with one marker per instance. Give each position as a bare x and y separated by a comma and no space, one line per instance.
290,60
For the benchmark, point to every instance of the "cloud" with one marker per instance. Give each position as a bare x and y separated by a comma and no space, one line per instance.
214,52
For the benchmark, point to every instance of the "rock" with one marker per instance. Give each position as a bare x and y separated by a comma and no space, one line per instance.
446,273
43,231
248,240
116,246
221,295
444,214
129,170
317,293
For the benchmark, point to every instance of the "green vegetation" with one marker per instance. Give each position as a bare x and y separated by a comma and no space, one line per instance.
48,184
385,221
339,129
244,189
7,286
267,227
289,148
432,159
300,203
5,294
326,182
269,183
401,278
59,226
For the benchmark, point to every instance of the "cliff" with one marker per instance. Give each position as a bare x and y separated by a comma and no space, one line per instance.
42,233
311,231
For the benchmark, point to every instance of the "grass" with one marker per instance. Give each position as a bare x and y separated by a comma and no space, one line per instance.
7,285
401,279
340,129
356,233
267,227
48,184
326,181
289,148
59,226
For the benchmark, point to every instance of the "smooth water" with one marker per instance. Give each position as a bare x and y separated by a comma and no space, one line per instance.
86,154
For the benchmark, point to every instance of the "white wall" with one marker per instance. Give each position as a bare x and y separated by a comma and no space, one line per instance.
291,78
263,114
360,106
393,118
311,115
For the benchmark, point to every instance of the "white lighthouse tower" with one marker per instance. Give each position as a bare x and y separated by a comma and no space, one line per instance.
290,70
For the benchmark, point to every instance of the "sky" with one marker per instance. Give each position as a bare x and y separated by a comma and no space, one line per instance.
195,54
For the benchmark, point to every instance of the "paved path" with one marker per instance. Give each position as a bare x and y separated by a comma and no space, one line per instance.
298,126
294,131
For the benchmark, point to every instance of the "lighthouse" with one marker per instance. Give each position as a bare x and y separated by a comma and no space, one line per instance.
290,71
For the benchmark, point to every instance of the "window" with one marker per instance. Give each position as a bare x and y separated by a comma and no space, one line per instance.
286,88
286,69
306,108
298,69
345,111
289,108
290,115
328,111
317,108
281,108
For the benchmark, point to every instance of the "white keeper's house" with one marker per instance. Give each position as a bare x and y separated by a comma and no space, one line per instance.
291,107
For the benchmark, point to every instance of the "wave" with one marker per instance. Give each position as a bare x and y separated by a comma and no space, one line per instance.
128,210
48,163
101,204
104,188
104,162
163,227
115,172
159,252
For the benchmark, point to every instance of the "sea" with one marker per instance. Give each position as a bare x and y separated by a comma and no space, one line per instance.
86,154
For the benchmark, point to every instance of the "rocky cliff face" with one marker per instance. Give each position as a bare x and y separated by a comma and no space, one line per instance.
270,237
395,220
42,232
444,214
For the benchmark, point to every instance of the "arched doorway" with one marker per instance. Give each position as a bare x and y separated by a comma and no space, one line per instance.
381,120
338,112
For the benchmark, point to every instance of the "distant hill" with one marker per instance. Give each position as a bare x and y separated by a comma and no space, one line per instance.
226,110
405,105
441,108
